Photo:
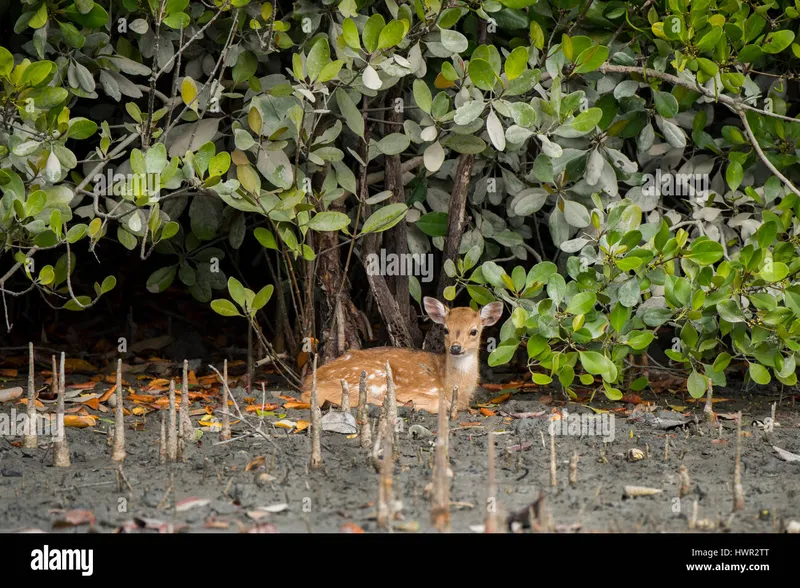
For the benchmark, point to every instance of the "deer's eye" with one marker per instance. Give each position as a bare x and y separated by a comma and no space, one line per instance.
447,331
473,332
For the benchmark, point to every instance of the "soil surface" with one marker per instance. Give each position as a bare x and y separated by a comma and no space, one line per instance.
279,493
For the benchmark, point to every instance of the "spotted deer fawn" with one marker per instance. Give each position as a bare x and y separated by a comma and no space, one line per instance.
418,375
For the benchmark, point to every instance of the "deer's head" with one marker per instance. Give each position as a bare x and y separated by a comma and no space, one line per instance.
462,325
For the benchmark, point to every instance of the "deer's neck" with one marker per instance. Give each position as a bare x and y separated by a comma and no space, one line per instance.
461,371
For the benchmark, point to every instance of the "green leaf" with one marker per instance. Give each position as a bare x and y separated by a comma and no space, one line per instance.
352,115
433,224
759,374
329,221
516,62
482,74
591,59
224,307
502,354
236,290
582,303
774,271
734,174
262,297
697,384
81,128
666,104
161,279
703,251
384,218
245,67
541,379
777,41
391,34
422,96
587,120
350,34
108,284
598,364
372,30
266,238
318,57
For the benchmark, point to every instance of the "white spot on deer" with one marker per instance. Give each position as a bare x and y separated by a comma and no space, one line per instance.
375,391
348,356
371,377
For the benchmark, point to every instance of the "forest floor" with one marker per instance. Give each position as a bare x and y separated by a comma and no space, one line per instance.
262,483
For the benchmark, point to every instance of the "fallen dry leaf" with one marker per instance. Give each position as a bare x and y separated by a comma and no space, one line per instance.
261,407
191,378
72,518
302,426
142,398
108,393
631,398
9,373
297,405
500,399
469,425
79,421
75,364
10,394
350,527
82,386
188,503
487,413
255,463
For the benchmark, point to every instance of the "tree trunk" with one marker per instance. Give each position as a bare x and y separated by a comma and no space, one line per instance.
396,238
455,230
339,324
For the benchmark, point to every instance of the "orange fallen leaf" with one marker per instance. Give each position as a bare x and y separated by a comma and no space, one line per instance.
500,399
207,380
260,407
79,421
287,397
350,527
93,403
486,412
25,402
145,398
9,373
255,463
191,377
302,426
138,411
82,386
469,425
158,383
297,405
632,398
107,394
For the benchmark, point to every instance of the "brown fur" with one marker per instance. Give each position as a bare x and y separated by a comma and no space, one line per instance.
418,375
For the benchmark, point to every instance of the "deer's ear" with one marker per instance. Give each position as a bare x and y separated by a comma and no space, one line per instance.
491,313
435,309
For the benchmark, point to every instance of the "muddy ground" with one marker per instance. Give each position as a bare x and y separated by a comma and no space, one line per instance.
342,495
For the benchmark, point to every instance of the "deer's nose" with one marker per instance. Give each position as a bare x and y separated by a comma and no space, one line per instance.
456,349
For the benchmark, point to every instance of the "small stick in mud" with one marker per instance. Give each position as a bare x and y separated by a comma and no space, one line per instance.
708,409
491,524
316,421
186,421
31,438
391,404
380,433
693,516
738,489
385,483
54,383
172,440
162,447
365,432
61,453
440,505
118,454
454,404
345,406
666,447
573,469
553,476
226,418
686,484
